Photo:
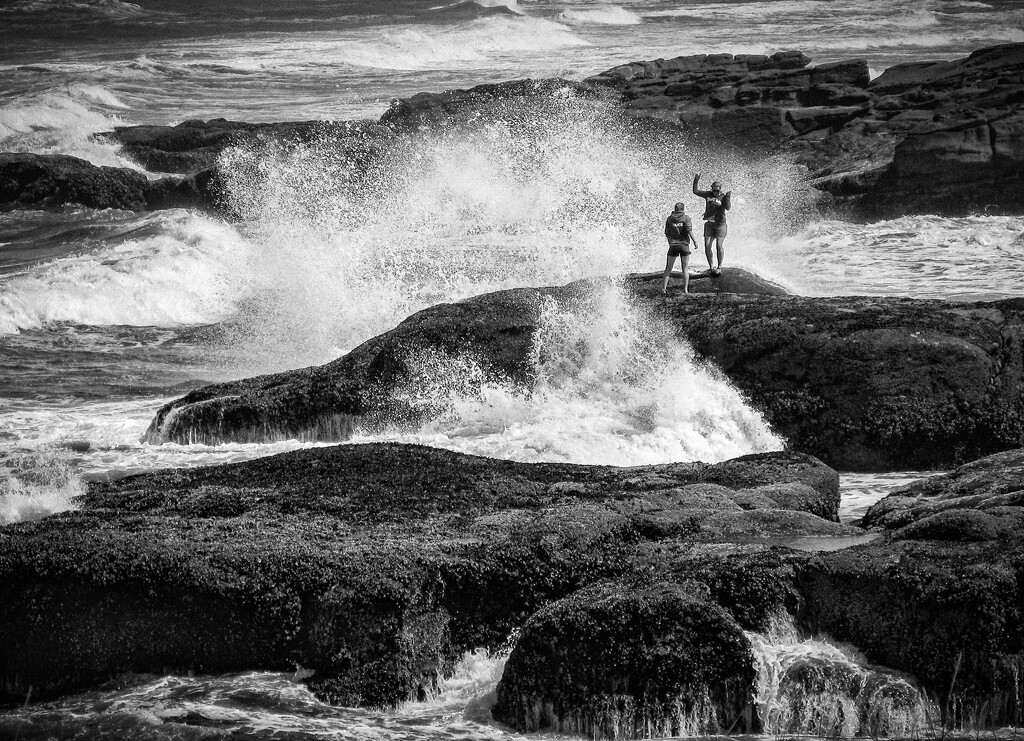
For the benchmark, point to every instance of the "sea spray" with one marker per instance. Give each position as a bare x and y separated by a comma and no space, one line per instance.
353,235
36,484
814,687
611,385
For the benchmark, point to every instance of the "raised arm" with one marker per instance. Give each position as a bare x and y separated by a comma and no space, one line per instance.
697,191
727,201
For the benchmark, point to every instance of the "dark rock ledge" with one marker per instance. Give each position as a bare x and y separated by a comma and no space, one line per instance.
939,594
940,137
862,383
377,565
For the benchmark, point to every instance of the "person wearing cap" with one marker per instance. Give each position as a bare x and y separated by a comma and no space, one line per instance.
715,227
679,231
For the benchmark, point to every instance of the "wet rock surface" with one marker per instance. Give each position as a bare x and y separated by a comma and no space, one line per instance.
941,137
622,661
52,181
863,383
938,594
195,145
374,565
869,383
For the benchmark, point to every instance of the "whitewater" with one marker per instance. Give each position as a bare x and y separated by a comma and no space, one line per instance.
107,315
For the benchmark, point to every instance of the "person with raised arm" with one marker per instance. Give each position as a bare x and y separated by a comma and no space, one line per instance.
679,232
715,227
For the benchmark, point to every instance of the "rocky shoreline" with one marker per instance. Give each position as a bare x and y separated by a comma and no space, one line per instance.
869,384
941,138
633,592
374,566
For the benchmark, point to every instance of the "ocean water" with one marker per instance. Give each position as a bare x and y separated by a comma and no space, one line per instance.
106,315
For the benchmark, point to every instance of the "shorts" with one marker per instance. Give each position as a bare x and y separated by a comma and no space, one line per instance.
711,229
674,250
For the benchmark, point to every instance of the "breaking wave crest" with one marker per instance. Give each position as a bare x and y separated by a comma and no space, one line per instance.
415,48
63,121
601,15
175,268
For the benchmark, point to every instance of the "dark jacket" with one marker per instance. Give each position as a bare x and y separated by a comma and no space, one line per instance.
678,228
714,206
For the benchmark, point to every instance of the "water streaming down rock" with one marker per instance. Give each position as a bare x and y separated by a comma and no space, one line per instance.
812,686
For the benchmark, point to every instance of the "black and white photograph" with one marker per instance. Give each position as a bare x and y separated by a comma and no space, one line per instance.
495,370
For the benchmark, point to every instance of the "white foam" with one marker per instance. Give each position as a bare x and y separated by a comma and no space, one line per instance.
188,269
813,686
600,15
63,121
423,47
36,484
612,387
109,8
918,256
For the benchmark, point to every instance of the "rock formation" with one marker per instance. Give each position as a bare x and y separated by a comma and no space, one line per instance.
374,565
941,137
939,595
862,383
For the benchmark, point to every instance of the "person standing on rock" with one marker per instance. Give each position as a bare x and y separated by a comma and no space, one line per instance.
715,228
679,231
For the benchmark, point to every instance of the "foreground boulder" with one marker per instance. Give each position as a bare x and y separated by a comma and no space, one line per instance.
863,383
939,595
621,661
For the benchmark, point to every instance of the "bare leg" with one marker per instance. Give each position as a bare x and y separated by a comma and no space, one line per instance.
721,251
669,262
684,261
708,251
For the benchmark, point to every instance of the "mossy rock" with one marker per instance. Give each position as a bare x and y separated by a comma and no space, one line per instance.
947,612
624,661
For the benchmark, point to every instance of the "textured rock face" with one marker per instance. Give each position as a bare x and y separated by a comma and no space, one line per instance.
863,383
625,661
50,181
366,387
374,565
976,501
38,181
939,595
194,145
379,383
943,137
870,384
